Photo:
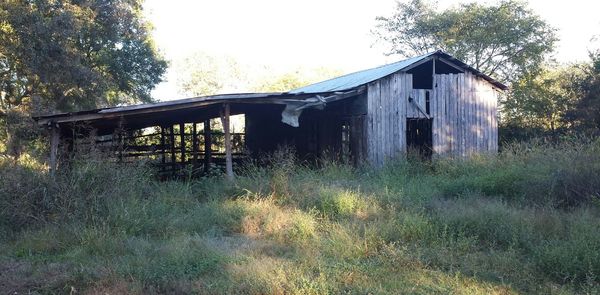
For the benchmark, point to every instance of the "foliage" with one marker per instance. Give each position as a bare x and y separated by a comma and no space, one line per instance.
587,112
523,222
542,99
292,80
504,40
202,73
69,55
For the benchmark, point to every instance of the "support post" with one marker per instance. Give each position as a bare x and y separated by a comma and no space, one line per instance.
172,143
433,73
207,145
228,160
194,146
54,141
182,143
163,149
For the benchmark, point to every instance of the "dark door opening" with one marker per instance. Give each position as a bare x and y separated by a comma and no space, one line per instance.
419,136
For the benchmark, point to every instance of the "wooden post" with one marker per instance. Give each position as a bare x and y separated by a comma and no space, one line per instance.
172,139
207,145
163,149
54,141
228,159
182,142
120,145
194,146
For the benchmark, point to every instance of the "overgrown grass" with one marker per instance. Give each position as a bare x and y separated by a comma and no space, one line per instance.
525,221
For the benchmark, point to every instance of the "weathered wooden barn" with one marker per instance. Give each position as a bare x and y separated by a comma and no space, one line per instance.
433,103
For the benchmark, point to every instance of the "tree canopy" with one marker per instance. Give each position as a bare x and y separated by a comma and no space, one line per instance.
75,54
542,99
505,40
586,113
203,73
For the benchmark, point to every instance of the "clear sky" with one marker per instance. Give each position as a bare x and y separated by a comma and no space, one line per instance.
284,35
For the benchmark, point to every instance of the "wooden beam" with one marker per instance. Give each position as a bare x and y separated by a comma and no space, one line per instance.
433,74
116,112
182,142
207,145
416,64
163,159
461,69
228,159
54,142
172,144
194,146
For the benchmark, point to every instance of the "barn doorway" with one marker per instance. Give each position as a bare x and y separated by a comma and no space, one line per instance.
419,137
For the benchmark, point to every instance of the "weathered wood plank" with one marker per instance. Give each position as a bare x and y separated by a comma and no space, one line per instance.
54,142
226,129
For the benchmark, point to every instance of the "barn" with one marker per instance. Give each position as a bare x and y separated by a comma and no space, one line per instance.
433,104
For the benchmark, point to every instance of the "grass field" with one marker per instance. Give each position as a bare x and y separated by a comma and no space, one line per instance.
526,221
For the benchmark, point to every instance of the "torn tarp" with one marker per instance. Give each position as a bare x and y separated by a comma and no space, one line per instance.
293,110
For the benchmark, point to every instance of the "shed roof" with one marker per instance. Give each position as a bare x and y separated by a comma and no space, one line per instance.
359,78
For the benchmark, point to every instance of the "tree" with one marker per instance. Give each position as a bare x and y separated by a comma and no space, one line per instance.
75,54
295,79
202,73
586,114
538,102
505,40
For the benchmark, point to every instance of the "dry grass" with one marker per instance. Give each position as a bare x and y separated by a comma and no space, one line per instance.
522,222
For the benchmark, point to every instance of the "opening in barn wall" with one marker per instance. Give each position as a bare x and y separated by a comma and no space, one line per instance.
419,137
172,148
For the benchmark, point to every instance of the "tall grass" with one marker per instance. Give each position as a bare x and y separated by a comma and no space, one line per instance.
523,221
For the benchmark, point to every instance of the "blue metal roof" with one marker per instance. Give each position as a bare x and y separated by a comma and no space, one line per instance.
356,79
359,78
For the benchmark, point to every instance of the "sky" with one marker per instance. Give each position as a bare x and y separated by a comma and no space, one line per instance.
285,35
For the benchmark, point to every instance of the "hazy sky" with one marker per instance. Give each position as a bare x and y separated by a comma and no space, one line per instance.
285,35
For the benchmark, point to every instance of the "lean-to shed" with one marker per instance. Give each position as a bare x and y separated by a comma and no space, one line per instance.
432,103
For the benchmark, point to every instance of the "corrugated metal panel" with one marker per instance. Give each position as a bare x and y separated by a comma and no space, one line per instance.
353,80
359,78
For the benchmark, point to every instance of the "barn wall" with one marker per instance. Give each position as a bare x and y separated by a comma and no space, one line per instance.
464,111
387,106
463,108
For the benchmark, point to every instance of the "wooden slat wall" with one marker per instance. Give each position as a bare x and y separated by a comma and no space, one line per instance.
464,111
387,101
418,96
463,108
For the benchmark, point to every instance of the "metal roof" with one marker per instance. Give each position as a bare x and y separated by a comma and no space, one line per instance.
359,78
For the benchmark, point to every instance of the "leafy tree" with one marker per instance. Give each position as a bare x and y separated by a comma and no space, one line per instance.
73,54
539,101
505,40
202,73
295,79
586,114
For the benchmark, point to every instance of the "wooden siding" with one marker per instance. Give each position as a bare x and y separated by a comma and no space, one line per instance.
464,111
387,101
418,98
463,108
